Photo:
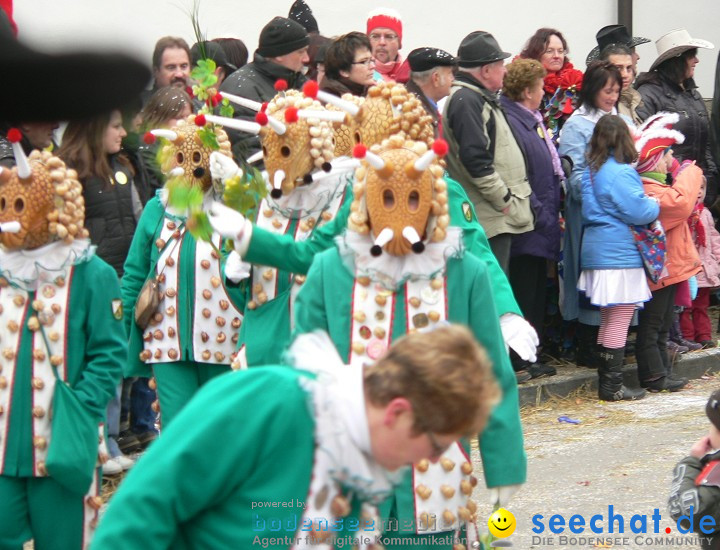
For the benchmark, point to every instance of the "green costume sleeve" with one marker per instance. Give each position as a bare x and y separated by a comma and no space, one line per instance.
462,214
199,485
501,443
310,307
140,256
283,252
106,344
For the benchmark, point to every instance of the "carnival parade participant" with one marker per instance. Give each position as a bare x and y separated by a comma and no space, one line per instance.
266,246
63,350
400,268
206,484
188,337
307,188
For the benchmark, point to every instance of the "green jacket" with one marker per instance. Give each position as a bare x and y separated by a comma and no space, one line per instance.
206,483
283,251
86,332
325,303
194,327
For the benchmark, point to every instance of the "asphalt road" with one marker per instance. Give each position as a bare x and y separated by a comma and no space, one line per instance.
620,454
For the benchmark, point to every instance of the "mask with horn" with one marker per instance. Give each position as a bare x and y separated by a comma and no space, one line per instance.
40,200
186,153
387,110
400,197
296,135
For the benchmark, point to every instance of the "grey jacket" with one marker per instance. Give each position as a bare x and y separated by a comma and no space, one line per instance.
486,159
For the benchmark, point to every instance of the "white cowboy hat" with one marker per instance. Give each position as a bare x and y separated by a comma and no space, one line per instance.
675,43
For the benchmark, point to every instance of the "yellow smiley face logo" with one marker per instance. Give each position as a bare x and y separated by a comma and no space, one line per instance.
501,523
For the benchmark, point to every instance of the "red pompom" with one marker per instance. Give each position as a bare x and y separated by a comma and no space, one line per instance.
188,90
149,138
440,147
14,135
217,99
291,115
261,118
200,120
281,85
311,89
264,107
359,151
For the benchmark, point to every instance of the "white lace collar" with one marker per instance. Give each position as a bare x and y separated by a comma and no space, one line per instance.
392,271
29,268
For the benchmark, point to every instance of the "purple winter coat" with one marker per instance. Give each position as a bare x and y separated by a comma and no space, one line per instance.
544,239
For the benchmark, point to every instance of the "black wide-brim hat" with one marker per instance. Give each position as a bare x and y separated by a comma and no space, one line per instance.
43,87
613,34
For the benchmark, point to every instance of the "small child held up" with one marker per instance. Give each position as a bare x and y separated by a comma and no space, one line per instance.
694,321
695,489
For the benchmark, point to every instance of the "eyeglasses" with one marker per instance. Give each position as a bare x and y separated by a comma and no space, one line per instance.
389,37
367,62
559,51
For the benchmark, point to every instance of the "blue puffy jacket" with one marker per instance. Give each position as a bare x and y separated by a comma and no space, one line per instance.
613,198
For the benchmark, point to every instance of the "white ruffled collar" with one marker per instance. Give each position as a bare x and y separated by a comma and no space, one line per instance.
312,199
592,114
392,271
29,268
342,433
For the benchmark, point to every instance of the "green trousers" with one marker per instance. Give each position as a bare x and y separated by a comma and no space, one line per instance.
178,382
41,509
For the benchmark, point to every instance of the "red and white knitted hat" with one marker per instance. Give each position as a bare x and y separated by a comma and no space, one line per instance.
653,137
385,18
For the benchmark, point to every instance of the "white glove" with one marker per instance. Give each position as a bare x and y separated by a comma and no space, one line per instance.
500,496
230,224
223,167
520,336
235,269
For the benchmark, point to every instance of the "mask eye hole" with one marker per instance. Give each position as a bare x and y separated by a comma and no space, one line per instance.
285,151
264,150
197,157
3,203
357,137
19,205
180,158
388,199
413,201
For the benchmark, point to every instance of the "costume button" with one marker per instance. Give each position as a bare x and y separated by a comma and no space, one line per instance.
215,281
38,412
3,383
39,442
37,383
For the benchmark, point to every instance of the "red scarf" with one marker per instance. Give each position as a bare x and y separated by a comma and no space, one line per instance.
696,225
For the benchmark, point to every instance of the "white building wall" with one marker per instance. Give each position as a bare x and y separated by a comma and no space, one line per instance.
134,25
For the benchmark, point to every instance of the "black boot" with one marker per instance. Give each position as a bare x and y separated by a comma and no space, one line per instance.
610,377
586,354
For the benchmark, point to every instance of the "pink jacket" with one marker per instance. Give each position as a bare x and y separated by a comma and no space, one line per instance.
709,254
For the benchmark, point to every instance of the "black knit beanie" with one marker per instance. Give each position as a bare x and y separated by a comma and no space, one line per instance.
282,36
712,409
302,13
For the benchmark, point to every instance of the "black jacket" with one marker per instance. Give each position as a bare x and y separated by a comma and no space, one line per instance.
704,497
659,94
110,214
255,81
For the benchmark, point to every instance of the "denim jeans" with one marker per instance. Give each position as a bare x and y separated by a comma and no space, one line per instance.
137,400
